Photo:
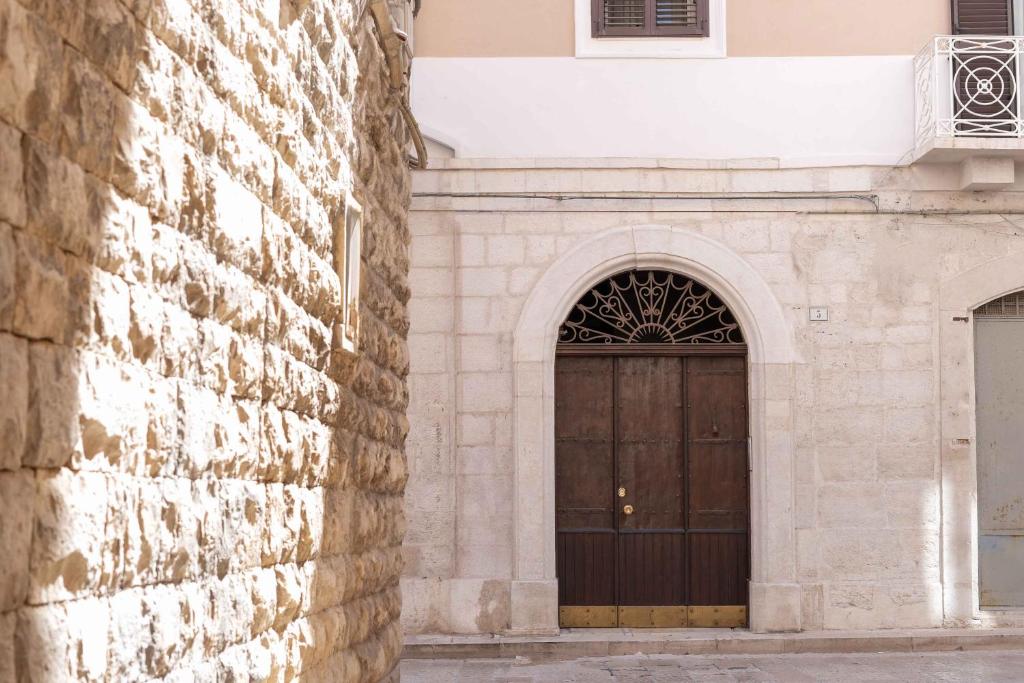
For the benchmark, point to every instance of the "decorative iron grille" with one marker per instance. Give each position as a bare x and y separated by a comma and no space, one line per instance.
650,307
1010,306
970,86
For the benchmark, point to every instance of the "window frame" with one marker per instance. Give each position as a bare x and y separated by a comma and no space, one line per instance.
1011,18
348,264
650,30
688,47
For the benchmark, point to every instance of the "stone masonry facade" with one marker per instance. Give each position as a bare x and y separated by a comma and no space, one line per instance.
867,425
193,485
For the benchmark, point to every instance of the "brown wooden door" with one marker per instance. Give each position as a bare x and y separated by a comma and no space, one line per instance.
652,490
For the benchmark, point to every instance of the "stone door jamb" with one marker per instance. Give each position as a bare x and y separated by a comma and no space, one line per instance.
958,297
775,599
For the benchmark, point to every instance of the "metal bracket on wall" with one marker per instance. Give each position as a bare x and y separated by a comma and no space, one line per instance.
392,45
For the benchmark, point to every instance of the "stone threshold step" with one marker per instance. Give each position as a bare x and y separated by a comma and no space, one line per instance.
575,643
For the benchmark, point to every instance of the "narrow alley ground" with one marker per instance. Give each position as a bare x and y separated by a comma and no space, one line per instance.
798,668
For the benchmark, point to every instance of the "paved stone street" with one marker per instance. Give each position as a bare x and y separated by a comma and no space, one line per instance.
798,668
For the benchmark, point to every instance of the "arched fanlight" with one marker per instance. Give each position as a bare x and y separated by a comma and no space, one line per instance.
1009,307
650,307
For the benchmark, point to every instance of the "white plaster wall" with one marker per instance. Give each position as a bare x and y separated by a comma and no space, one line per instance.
881,515
805,111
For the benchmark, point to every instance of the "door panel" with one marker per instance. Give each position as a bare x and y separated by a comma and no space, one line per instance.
584,475
668,433
718,569
717,489
584,479
586,570
999,373
649,450
652,569
649,444
717,485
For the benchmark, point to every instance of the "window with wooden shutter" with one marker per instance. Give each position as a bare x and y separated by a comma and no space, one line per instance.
348,237
985,70
650,18
983,17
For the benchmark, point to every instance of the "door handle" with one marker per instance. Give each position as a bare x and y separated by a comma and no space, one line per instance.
628,509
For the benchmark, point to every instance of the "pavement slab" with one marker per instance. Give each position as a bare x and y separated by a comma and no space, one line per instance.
930,667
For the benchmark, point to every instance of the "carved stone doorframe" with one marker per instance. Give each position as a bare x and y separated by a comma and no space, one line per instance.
958,298
775,597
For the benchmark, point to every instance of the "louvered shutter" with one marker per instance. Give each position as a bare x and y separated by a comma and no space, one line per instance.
983,17
663,18
622,17
676,13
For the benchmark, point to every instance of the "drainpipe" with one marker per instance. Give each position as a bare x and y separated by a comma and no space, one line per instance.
393,44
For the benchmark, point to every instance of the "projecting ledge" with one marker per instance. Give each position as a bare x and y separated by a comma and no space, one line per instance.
987,173
984,163
950,150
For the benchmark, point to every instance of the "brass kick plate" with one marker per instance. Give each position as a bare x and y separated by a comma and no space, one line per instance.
652,617
677,616
717,616
588,617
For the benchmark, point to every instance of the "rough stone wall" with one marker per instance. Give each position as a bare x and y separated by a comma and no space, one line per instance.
863,424
193,487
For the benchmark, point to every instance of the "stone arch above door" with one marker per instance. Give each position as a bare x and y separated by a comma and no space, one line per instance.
775,596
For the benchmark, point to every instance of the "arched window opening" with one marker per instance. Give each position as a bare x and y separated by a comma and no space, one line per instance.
650,307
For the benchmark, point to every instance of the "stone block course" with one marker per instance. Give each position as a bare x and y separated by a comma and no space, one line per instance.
64,640
42,273
12,194
14,374
208,491
86,138
8,624
8,277
32,66
52,427
904,460
15,537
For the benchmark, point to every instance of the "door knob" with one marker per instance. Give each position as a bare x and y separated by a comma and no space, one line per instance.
628,509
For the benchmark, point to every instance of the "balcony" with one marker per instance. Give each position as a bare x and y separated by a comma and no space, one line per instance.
970,107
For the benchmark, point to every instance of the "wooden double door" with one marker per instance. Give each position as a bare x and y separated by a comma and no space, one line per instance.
652,490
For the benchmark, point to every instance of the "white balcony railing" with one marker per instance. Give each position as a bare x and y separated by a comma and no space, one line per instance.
970,86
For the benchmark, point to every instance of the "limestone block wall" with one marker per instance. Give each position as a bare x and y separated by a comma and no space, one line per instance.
193,487
872,433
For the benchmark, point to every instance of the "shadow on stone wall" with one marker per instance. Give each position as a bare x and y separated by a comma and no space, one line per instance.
178,497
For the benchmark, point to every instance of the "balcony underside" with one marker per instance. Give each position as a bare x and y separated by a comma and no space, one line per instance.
970,108
956,150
